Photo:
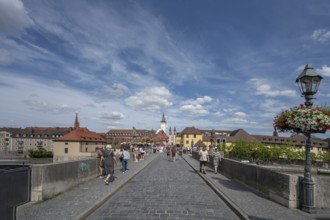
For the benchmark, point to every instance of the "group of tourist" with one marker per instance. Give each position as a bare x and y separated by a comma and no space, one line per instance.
107,159
138,153
173,152
204,157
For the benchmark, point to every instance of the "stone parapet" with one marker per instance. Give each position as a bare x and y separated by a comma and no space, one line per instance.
283,188
48,180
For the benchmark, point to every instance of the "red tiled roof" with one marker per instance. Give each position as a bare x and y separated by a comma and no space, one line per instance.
82,134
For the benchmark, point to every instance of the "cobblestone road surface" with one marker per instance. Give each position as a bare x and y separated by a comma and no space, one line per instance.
165,190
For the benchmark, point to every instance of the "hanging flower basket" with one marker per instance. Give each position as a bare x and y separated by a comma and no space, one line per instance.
301,119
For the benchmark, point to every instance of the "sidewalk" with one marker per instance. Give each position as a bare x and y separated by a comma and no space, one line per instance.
82,199
247,202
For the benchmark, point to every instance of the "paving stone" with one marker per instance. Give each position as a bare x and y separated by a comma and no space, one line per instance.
164,190
172,190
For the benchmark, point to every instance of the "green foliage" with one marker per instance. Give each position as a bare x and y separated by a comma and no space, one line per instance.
222,147
254,152
325,157
240,150
40,153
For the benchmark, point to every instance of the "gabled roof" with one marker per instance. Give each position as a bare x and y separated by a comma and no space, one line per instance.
129,132
161,136
82,135
191,130
241,135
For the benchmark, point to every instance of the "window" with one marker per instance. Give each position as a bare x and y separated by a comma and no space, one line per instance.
66,150
66,143
187,135
194,135
86,149
187,142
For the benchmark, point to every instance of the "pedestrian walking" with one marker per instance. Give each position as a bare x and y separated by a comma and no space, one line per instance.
109,163
174,153
121,157
99,161
126,156
168,152
180,152
136,153
141,151
203,159
216,159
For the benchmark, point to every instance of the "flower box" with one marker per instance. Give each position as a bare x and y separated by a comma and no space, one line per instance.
301,119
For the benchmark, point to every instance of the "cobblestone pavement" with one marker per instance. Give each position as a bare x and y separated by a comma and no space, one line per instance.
78,201
250,202
165,190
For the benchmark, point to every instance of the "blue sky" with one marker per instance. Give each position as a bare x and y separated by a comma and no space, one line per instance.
209,64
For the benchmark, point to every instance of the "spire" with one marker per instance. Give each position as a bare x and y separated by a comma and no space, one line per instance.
170,131
163,124
163,119
76,122
275,132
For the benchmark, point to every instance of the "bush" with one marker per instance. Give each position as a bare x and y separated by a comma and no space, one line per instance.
40,153
257,152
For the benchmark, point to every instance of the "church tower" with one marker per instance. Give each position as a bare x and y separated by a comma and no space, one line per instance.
76,123
163,124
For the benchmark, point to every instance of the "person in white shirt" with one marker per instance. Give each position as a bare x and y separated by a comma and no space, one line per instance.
203,158
141,153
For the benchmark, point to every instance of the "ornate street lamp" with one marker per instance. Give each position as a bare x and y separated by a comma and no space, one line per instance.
308,82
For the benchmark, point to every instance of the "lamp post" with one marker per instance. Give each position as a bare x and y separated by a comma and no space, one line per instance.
308,82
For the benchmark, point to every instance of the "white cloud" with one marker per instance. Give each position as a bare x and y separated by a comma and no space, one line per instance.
236,121
114,91
194,109
199,101
205,99
321,35
266,90
13,17
44,106
219,113
111,115
240,114
150,99
228,110
324,71
195,106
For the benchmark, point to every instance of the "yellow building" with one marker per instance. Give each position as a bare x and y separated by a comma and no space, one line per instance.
190,136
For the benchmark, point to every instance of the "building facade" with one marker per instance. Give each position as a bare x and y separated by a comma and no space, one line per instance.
21,140
79,144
